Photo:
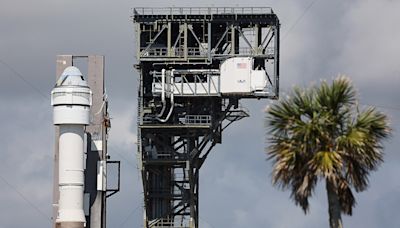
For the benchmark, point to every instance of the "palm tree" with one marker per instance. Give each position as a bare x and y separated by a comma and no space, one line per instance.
319,133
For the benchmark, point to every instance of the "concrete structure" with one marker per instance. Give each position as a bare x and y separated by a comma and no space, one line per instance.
195,65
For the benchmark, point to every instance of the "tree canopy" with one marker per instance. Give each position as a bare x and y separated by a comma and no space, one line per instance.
320,133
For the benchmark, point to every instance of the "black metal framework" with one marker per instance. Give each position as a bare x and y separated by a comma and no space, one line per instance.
181,111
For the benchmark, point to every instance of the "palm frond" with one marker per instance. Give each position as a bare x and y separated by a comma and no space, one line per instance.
346,197
316,133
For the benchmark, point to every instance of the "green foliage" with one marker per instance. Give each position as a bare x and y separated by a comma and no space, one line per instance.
318,133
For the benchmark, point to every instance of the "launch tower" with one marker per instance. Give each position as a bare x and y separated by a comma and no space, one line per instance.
195,65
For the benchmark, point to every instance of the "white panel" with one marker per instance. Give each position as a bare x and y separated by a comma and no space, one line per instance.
235,75
71,114
86,203
71,205
97,145
71,155
101,176
258,80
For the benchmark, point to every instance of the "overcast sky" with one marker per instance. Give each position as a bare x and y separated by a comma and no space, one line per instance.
359,38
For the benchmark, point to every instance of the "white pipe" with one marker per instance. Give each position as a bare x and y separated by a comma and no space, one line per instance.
198,71
163,85
171,99
164,103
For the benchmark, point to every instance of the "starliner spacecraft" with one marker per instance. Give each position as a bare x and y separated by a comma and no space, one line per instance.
71,99
81,159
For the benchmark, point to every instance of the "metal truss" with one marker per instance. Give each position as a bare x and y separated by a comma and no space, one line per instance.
181,111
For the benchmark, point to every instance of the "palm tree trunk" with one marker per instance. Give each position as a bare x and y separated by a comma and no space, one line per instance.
335,218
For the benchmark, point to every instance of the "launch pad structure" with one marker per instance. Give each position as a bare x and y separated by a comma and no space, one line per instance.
195,65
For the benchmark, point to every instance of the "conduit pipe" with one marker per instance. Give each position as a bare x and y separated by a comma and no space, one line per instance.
171,98
163,101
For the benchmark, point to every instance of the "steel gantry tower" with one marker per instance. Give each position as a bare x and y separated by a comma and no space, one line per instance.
195,65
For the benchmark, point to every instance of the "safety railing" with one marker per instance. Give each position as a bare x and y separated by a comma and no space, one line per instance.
182,86
176,52
198,119
200,52
201,10
153,52
164,223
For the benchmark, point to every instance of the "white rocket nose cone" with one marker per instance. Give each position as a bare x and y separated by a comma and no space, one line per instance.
71,76
71,71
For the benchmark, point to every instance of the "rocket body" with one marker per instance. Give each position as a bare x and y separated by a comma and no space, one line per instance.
71,101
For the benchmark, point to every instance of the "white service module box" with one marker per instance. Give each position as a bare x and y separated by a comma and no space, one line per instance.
258,80
238,76
235,75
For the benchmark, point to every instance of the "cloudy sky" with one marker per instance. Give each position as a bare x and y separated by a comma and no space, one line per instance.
359,38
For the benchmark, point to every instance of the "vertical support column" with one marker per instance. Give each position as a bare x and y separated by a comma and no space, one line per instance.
258,37
191,144
138,32
185,40
169,40
233,40
276,58
209,37
194,190
197,170
192,221
62,62
97,151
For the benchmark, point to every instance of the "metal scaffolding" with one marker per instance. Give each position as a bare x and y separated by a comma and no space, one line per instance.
181,108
